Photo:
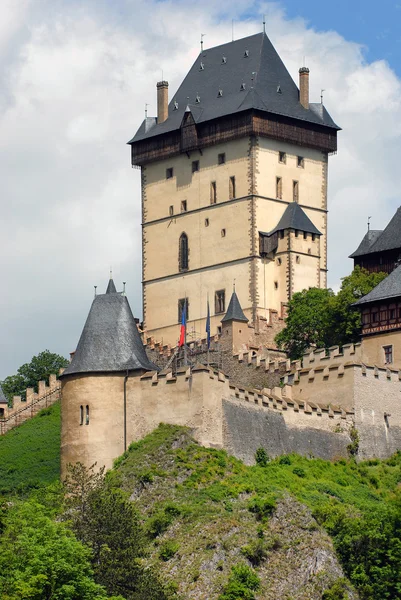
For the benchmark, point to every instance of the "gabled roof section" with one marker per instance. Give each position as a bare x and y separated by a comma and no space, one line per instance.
294,217
368,240
389,288
3,399
250,75
110,340
234,311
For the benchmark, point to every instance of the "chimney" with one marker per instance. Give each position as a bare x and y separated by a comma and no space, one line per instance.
304,86
162,101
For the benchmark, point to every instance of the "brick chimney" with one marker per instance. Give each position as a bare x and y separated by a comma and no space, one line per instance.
304,86
162,101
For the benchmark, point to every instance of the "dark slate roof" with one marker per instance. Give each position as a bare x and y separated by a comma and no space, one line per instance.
390,287
260,93
388,239
294,217
3,399
234,311
111,288
368,240
110,340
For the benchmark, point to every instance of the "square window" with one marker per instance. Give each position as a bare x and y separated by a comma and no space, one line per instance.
171,210
300,162
388,354
183,206
282,157
223,233
169,173
206,222
195,166
220,301
181,303
221,158
213,193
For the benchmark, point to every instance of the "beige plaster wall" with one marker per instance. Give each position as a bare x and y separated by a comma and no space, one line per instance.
327,385
103,439
373,352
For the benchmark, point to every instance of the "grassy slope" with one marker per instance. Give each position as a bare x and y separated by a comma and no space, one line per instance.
199,501
30,453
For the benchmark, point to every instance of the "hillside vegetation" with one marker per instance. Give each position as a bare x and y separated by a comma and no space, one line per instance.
30,453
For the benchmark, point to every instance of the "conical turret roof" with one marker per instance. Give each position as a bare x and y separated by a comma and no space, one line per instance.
3,399
234,311
110,340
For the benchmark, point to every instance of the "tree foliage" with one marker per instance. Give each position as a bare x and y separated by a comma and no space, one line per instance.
41,366
320,317
104,519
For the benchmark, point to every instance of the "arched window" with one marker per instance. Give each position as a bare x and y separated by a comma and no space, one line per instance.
81,415
183,252
87,415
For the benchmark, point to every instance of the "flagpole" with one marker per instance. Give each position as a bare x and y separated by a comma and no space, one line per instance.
185,332
208,332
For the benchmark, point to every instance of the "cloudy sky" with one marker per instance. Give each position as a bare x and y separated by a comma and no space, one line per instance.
74,78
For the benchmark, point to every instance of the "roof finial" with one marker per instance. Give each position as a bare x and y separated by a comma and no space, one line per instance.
95,286
369,223
146,110
234,285
202,36
321,96
124,282
264,23
111,273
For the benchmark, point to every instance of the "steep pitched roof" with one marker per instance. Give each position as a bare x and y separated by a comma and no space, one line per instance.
110,340
111,288
388,239
390,287
234,311
294,217
250,75
368,240
3,399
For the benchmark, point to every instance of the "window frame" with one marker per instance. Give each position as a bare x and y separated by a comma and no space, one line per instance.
282,157
219,302
169,172
221,158
195,166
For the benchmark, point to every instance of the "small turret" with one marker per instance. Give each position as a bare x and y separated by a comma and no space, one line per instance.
234,330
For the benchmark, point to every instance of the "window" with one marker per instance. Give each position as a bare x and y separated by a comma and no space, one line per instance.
183,252
81,415
279,187
195,166
295,191
298,259
1,413
296,233
300,162
388,354
220,301
169,173
282,234
206,222
213,193
232,188
87,415
366,318
383,313
375,315
181,303
305,235
219,329
276,285
282,157
183,206
313,237
391,314
223,233
171,210
279,261
221,158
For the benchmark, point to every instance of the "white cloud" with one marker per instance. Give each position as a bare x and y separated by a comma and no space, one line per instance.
74,81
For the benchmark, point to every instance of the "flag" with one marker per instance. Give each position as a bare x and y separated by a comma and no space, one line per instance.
208,326
183,325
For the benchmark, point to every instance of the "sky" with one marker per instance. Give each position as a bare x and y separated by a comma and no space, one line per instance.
74,79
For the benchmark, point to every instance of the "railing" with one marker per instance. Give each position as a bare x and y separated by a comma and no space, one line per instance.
16,419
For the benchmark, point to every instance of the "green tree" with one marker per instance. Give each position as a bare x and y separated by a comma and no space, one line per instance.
41,366
309,321
41,559
104,519
318,316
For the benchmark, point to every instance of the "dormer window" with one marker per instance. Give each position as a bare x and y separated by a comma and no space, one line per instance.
246,53
279,89
197,99
175,105
223,60
201,67
242,86
220,93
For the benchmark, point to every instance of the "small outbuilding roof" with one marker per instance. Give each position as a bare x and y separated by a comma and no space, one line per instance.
234,311
3,399
294,217
380,241
390,287
110,340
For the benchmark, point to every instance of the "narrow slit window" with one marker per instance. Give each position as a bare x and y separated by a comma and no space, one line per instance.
279,188
388,354
183,206
183,302
169,173
213,193
232,194
195,166
206,222
300,162
223,233
81,415
221,158
282,157
183,252
87,415
295,191
171,210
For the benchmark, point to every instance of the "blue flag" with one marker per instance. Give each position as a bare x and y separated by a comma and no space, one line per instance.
208,326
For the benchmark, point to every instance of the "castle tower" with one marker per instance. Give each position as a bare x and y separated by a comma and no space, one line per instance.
234,326
238,145
93,386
